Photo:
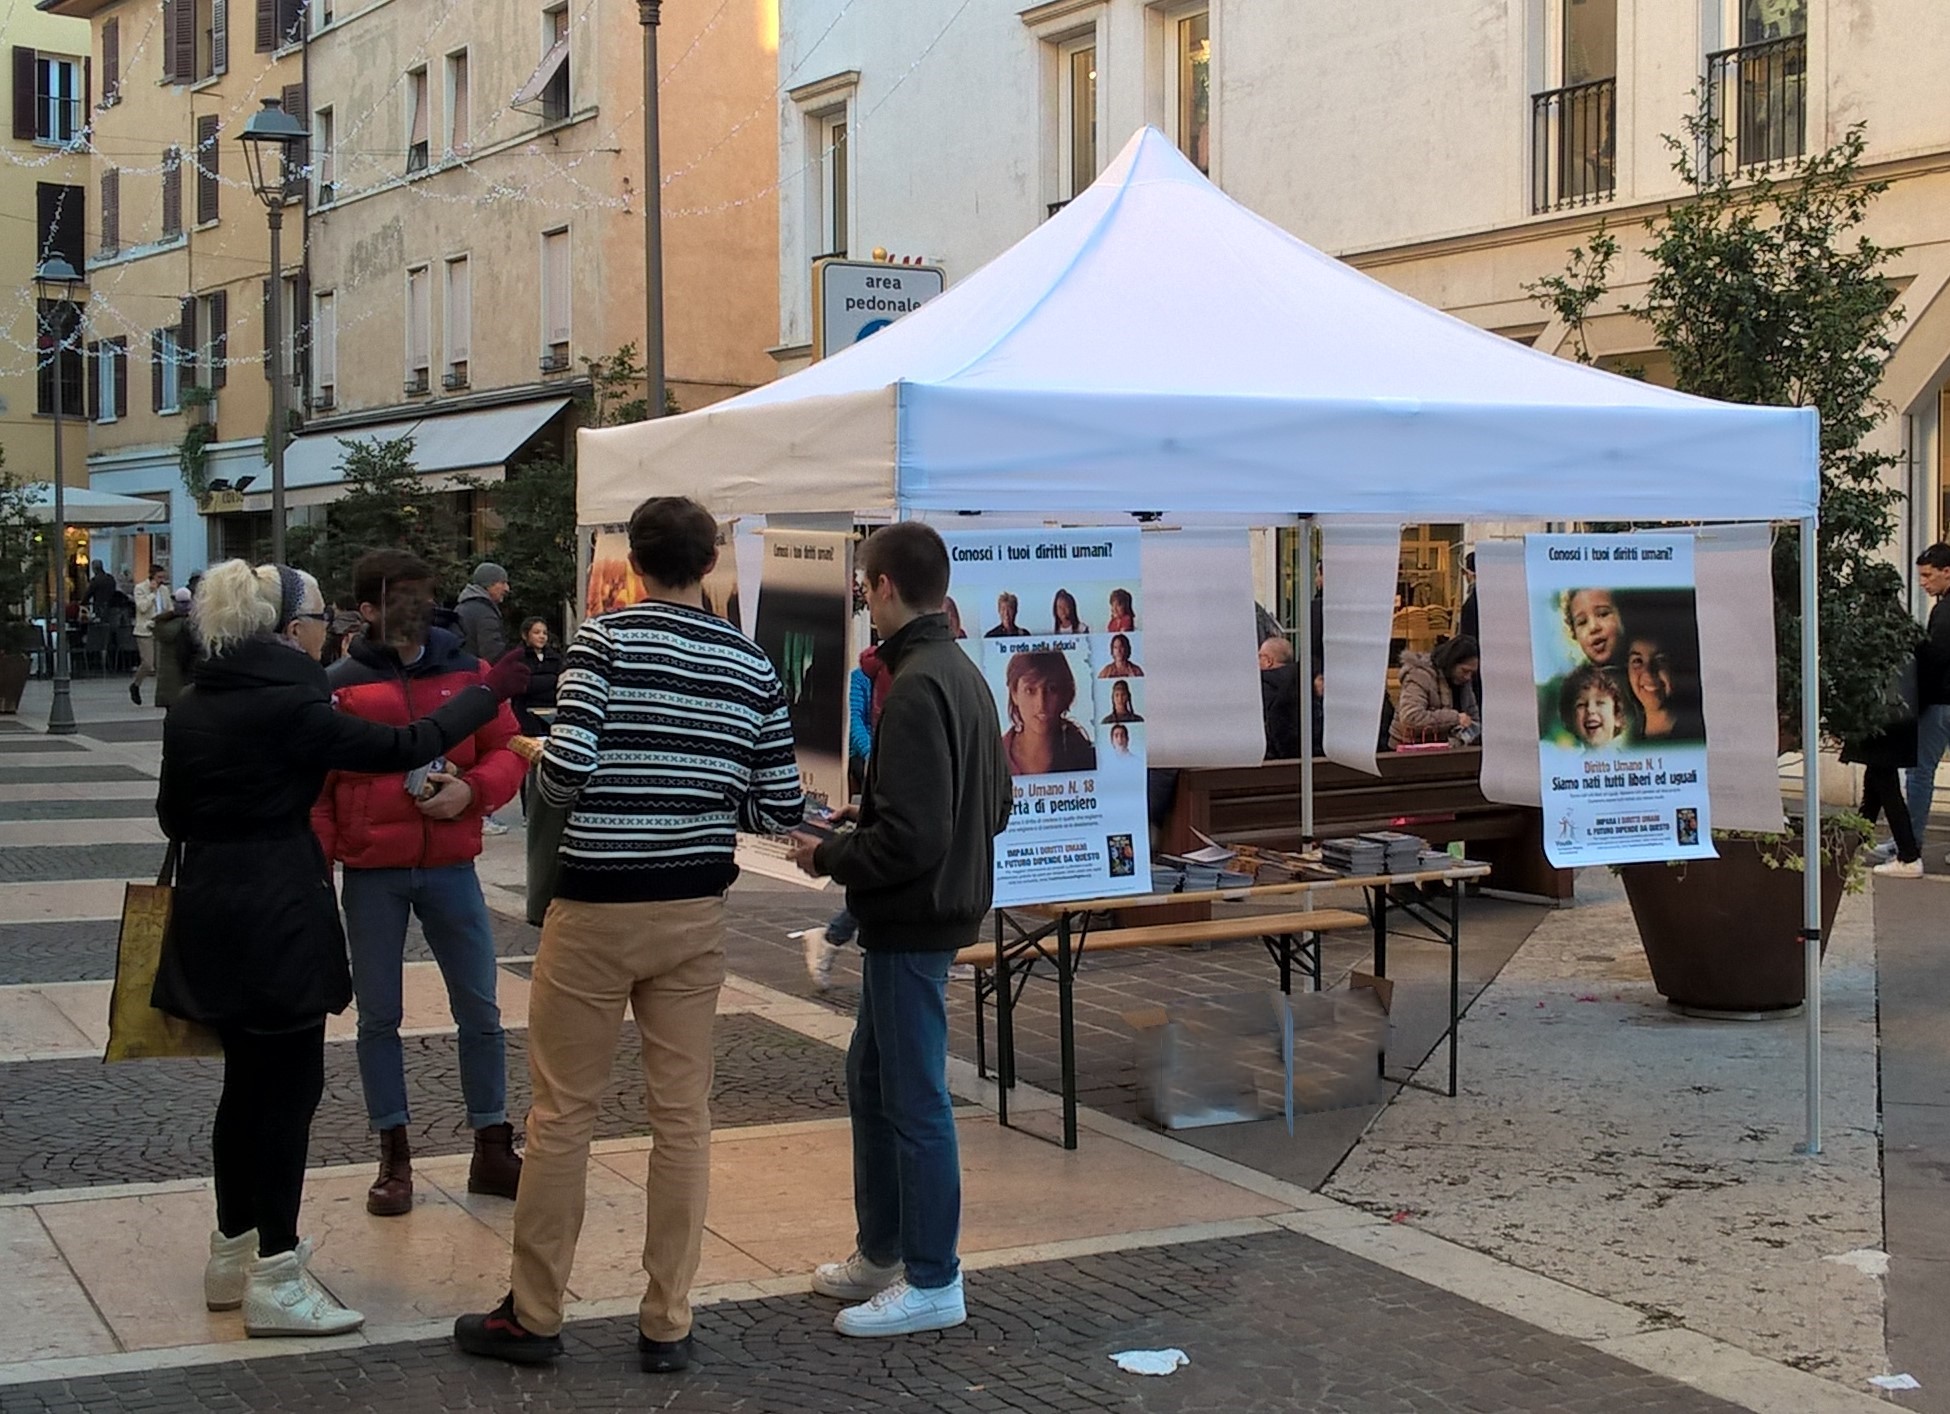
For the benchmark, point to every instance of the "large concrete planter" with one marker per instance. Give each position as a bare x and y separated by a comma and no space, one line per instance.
13,680
1723,935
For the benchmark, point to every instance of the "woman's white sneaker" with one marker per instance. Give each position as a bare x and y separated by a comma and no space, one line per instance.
905,1310
1899,869
226,1271
855,1279
282,1298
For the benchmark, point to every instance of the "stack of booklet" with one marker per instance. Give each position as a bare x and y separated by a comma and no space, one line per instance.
1197,871
1402,854
1380,852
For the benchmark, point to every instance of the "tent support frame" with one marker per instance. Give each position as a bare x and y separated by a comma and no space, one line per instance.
1811,825
1305,656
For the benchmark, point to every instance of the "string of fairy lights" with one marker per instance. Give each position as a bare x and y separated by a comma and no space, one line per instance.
499,173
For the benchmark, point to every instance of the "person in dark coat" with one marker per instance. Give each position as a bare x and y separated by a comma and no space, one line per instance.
544,661
175,649
255,949
478,612
1881,756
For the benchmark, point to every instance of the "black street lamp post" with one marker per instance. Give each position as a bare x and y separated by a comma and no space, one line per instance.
54,281
269,138
649,14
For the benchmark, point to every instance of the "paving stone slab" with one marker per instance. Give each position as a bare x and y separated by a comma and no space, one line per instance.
135,729
1272,1323
46,864
81,1124
65,774
28,745
77,810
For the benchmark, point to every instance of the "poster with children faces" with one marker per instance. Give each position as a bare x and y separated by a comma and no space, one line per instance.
1054,619
1621,733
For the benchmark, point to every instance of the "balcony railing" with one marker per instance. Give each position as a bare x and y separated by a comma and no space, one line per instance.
1573,149
1756,99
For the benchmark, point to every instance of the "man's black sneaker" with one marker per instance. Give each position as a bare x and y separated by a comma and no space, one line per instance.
499,1336
135,692
663,1357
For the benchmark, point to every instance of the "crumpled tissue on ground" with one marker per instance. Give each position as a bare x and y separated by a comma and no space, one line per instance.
1151,1362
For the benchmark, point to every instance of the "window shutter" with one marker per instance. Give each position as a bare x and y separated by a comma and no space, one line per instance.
460,312
121,347
182,42
325,344
460,116
172,191
94,382
206,169
219,36
74,227
267,26
112,209
23,93
186,350
555,281
219,338
47,220
300,329
155,370
111,61
291,14
297,159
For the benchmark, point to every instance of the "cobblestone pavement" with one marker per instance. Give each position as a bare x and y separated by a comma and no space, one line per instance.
136,729
37,953
1272,1323
77,809
56,863
66,774
78,1123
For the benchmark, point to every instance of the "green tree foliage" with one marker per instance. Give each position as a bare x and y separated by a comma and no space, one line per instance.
22,563
1764,291
385,506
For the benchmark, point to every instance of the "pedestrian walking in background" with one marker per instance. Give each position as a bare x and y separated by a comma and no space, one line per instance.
175,649
477,617
1881,756
866,694
1933,687
918,868
409,845
671,733
152,597
255,949
544,661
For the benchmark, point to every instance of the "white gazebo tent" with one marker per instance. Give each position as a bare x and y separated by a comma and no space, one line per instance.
95,510
1156,346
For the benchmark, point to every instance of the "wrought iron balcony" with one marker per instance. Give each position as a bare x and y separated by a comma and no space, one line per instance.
1573,146
1757,108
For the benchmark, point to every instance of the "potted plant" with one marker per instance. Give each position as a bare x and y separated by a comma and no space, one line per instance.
1765,291
18,562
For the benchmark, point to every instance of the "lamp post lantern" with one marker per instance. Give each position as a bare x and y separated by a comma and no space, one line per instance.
269,138
55,280
649,14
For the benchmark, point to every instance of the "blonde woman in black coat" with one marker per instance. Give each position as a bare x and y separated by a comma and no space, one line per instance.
255,948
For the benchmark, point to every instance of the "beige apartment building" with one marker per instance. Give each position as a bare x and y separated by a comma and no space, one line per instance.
1455,151
44,193
179,256
476,230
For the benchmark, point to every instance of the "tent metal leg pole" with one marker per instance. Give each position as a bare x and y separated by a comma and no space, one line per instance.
1306,658
1811,823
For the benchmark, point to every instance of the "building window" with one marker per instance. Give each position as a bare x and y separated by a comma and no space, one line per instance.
1757,92
1077,117
324,140
556,326
419,329
111,63
555,94
48,98
111,210
279,22
834,191
416,120
210,352
60,227
211,19
1573,124
458,117
110,397
166,371
324,351
60,359
457,319
1188,85
172,192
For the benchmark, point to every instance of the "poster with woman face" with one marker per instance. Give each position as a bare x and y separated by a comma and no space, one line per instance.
1620,728
1055,621
613,583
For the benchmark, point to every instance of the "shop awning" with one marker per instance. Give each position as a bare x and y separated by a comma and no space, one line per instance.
476,443
96,509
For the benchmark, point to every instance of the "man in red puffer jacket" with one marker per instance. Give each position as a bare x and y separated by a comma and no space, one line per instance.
403,850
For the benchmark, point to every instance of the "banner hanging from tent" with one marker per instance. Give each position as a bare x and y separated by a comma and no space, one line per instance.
805,611
1055,620
613,582
1621,734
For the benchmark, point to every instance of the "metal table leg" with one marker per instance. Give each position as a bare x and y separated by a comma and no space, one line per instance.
1066,1026
1005,1027
1455,974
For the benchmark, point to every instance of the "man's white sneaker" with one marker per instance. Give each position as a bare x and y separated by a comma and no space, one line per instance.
282,1298
905,1310
224,1274
855,1279
819,958
492,826
1899,869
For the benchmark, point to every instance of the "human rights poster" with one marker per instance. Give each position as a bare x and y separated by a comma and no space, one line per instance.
1055,621
805,607
1614,635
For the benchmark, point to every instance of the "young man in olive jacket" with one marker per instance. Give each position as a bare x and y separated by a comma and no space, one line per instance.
918,868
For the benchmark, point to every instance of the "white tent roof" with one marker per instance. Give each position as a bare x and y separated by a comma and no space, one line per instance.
1157,346
93,508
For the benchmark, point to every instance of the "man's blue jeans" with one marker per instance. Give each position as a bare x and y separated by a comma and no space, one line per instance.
454,917
1919,786
906,1162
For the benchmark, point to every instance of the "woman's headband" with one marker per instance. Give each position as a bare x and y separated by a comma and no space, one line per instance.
291,596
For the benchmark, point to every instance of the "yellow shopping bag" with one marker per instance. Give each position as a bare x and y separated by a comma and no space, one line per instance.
136,1030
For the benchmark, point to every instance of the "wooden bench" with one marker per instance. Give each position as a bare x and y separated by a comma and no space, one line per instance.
1434,794
1003,966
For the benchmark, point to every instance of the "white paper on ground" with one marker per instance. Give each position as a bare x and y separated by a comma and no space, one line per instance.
1360,562
1152,1362
1867,1260
1894,1382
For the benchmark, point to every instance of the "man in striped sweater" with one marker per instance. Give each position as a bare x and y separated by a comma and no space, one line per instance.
670,735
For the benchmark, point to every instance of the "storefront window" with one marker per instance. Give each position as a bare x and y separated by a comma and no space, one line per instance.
1194,85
